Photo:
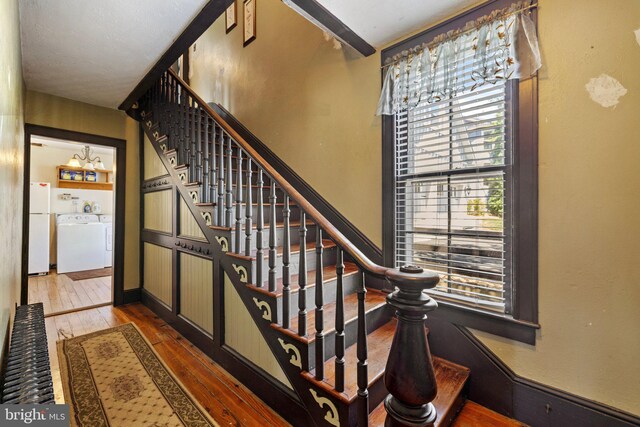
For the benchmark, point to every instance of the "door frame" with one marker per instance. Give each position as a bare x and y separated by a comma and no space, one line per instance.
117,292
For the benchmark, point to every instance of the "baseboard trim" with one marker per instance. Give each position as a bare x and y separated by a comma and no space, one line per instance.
494,385
131,295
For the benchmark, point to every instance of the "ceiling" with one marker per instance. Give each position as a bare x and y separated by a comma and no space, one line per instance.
380,22
97,51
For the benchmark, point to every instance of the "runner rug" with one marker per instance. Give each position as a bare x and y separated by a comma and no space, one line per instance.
114,378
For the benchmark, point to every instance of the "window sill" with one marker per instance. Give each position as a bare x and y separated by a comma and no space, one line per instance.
493,323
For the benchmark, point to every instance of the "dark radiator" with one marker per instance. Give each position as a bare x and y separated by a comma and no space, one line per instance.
28,374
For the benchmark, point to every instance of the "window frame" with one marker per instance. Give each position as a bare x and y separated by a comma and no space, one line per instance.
522,324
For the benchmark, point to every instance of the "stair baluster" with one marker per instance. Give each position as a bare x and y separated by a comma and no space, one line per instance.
238,234
198,121
214,173
248,225
175,112
259,227
220,176
184,129
362,352
193,141
272,236
205,171
340,338
319,305
229,181
302,277
286,274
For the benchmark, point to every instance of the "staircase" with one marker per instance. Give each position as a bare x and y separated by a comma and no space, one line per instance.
316,299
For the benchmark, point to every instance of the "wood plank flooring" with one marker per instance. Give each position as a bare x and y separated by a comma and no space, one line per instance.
58,293
227,400
474,415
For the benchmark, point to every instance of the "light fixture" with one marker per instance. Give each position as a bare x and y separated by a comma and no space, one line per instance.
86,155
100,165
74,163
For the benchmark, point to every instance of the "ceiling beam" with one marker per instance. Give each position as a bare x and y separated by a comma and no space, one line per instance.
209,13
321,17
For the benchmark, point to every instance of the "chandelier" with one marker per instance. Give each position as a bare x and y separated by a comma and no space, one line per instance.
91,162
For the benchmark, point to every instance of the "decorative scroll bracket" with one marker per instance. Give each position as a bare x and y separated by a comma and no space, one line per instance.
266,314
242,272
224,243
332,413
296,359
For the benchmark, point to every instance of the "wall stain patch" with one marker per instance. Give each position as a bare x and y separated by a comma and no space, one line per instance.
605,90
637,33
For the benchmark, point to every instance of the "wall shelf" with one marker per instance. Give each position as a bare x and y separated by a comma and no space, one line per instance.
102,181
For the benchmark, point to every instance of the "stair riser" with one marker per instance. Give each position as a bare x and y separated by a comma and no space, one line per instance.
350,285
328,258
294,236
375,318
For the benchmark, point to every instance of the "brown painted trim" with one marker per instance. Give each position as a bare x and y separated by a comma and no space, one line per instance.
318,12
524,206
119,207
132,295
494,385
346,227
209,13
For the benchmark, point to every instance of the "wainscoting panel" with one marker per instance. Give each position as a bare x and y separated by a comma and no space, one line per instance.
153,166
157,211
157,272
242,334
196,291
188,225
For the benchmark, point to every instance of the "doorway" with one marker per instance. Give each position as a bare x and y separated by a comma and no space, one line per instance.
73,223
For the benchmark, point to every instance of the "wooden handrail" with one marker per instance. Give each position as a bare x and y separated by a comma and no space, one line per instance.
358,257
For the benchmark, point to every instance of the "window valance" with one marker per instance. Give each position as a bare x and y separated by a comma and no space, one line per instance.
500,46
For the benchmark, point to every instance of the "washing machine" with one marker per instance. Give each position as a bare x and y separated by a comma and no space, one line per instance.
107,220
80,242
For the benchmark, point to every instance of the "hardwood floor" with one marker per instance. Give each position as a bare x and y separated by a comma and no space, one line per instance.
229,402
474,415
58,293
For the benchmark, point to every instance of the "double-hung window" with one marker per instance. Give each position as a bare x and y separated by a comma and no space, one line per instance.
460,173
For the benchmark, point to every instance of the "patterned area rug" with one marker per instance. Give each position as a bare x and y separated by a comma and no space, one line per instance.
115,378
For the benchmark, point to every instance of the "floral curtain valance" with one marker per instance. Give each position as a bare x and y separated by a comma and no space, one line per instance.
501,46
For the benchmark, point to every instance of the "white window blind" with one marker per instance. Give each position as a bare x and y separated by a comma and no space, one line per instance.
453,190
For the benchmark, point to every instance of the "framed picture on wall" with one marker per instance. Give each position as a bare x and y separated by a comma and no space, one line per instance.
231,17
249,21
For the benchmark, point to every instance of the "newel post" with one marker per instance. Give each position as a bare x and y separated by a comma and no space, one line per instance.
409,375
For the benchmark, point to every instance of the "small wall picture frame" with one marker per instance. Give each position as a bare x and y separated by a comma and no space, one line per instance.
249,21
231,17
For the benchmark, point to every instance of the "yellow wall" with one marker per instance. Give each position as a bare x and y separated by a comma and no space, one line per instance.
588,214
53,111
314,106
11,164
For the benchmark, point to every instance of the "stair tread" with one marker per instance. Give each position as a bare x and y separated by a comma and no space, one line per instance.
294,249
474,415
373,300
450,378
